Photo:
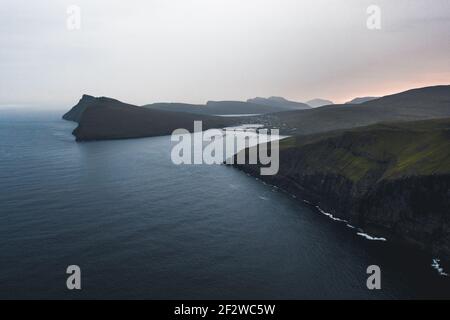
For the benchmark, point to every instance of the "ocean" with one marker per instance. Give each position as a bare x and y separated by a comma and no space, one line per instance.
141,227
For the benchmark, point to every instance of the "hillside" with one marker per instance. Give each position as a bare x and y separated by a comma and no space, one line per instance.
359,100
392,179
417,104
401,149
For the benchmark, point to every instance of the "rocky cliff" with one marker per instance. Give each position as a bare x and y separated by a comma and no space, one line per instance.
392,180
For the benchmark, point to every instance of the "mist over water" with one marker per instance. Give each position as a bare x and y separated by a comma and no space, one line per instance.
141,227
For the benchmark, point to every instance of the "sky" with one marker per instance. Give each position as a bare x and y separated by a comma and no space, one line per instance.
199,50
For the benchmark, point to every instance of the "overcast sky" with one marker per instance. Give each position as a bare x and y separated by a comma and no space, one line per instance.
199,50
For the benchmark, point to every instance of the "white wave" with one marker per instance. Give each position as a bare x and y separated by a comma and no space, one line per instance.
369,237
244,127
435,264
263,198
362,234
329,215
238,115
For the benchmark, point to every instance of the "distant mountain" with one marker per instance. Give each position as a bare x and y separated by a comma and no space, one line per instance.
237,107
360,100
220,107
178,107
416,104
279,102
315,103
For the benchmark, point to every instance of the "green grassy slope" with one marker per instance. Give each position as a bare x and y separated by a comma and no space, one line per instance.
396,149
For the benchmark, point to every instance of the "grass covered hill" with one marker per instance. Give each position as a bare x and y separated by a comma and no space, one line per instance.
392,179
394,150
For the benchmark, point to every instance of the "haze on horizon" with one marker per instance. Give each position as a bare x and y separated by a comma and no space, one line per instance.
198,50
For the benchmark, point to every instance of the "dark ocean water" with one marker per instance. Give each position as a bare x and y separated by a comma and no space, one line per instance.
141,227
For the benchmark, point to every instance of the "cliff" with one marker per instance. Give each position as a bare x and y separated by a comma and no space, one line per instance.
390,179
76,112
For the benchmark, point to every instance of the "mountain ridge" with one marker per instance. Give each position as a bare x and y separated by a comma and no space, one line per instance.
416,104
279,102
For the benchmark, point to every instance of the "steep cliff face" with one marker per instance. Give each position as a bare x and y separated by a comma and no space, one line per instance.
76,112
416,209
390,179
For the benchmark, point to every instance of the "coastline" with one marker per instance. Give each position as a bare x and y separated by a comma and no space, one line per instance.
369,235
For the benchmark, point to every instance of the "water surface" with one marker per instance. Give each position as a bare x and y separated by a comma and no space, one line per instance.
142,227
